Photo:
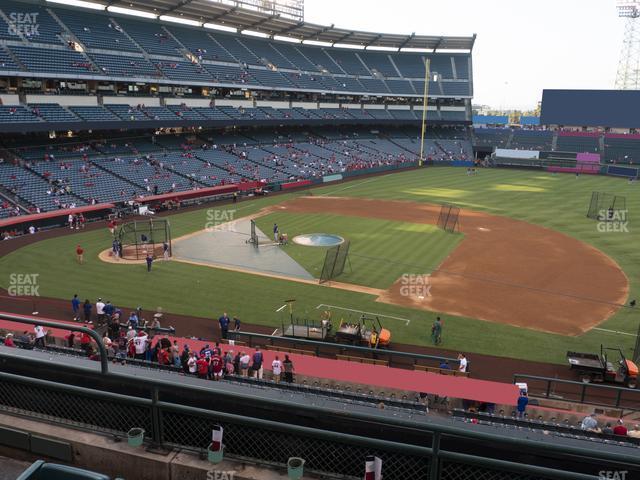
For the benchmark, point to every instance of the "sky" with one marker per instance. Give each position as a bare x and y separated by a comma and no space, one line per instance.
521,47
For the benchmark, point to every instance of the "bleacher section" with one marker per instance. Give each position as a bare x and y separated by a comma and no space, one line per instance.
578,142
117,170
492,137
99,44
622,149
540,140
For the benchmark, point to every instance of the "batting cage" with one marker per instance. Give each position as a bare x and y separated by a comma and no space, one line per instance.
334,261
139,238
448,219
602,204
253,236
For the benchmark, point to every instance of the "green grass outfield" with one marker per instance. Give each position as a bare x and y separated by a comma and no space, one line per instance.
380,252
555,201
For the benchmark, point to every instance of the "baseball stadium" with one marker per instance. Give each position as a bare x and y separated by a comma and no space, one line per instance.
237,244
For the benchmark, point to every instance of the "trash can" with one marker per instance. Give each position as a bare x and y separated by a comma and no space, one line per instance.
295,468
215,456
135,437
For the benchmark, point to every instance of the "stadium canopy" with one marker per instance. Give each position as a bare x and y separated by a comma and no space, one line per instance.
234,16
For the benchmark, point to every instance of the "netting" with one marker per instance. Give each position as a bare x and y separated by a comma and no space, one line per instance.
139,238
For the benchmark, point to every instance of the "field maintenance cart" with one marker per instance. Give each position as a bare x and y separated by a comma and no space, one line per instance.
598,368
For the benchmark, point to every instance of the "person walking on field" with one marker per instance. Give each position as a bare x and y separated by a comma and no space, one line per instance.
80,254
436,331
149,259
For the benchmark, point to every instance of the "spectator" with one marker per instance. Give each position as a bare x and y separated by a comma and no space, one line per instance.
134,320
244,363
216,366
184,358
85,343
236,363
276,368
140,344
26,340
108,310
287,365
86,307
236,325
224,325
202,367
8,340
523,401
75,305
40,333
590,423
444,365
635,433
100,310
620,429
257,363
608,429
175,354
192,363
462,367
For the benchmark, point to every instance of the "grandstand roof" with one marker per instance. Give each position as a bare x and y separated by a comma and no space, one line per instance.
207,11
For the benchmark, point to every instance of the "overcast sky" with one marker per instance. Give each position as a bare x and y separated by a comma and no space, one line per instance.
522,47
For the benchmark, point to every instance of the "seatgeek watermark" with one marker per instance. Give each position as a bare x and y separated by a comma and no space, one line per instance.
613,221
221,474
24,24
24,285
414,285
612,474
219,219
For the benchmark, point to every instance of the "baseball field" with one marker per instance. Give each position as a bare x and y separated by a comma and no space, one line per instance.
527,275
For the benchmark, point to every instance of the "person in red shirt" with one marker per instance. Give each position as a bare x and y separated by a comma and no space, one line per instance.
80,254
216,366
8,340
203,367
163,357
620,429
85,343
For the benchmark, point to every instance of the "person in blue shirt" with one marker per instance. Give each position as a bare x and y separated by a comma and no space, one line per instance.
133,320
87,310
236,326
257,363
523,401
149,261
224,325
275,232
445,365
75,304
108,309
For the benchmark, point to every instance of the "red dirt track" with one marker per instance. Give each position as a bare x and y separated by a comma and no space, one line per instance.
504,271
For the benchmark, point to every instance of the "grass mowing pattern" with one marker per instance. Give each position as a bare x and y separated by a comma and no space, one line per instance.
381,250
555,201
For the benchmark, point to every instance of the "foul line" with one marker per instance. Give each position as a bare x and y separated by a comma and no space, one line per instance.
281,308
406,320
614,331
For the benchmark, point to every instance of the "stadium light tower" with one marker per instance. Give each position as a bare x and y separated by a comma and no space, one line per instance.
628,76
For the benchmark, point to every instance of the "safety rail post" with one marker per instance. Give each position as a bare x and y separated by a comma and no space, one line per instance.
435,456
156,419
583,393
548,388
104,361
618,398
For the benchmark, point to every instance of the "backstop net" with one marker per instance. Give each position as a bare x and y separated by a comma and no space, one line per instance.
604,206
449,218
335,261
138,238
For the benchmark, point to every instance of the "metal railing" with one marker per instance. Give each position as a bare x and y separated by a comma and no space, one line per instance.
587,393
333,349
104,361
267,442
